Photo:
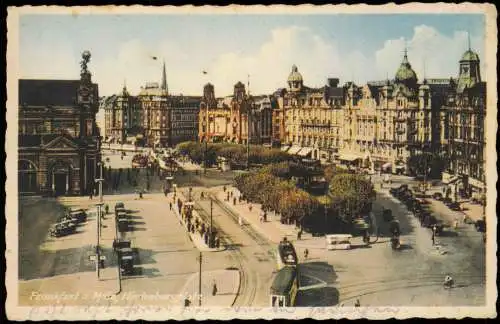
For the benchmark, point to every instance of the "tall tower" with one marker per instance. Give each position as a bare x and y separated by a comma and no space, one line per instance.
469,73
164,78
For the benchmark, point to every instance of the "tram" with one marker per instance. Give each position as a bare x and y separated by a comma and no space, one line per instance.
284,287
286,254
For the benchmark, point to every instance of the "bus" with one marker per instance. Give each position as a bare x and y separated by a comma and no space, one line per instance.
338,241
284,287
286,254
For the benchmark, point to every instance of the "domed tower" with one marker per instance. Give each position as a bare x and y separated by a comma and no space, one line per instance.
295,81
405,73
469,73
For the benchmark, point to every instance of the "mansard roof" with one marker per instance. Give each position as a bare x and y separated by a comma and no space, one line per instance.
34,92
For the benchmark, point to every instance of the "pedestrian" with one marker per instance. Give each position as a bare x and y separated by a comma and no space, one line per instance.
227,198
357,303
224,189
106,208
240,221
250,207
234,201
231,194
187,302
90,197
299,234
170,205
214,289
306,253
455,223
433,236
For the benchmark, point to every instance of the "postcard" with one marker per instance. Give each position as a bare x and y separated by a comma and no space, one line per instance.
251,162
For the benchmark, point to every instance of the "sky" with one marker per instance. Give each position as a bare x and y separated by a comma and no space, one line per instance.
259,49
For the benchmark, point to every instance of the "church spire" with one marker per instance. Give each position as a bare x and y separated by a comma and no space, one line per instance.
164,78
468,40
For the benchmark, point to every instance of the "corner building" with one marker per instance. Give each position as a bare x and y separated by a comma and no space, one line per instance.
58,146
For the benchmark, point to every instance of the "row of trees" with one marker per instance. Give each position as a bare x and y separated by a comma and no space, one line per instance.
236,154
277,194
351,195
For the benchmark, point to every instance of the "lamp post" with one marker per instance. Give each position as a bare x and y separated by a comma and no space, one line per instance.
210,245
98,218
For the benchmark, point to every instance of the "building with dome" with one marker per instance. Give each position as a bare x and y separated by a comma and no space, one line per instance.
386,122
463,118
239,118
307,121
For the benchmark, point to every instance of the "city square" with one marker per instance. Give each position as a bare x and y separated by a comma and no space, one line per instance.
257,184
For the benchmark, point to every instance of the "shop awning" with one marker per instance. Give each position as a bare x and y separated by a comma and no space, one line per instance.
398,167
131,139
294,150
386,166
305,151
285,148
349,157
451,180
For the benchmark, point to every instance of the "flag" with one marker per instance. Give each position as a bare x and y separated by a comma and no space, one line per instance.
154,57
205,72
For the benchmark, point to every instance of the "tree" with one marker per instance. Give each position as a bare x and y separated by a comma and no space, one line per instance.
352,195
428,163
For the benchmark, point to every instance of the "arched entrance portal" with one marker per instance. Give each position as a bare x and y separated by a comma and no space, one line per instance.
60,175
27,181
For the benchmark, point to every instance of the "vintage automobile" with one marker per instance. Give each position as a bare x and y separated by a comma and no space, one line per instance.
62,228
437,196
78,215
121,244
454,206
480,226
119,205
126,264
122,224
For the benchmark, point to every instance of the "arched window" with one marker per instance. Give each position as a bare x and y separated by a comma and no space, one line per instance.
27,181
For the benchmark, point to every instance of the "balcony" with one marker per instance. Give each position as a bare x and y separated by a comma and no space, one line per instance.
314,124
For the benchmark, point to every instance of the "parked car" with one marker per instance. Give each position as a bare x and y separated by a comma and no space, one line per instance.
480,226
454,206
437,196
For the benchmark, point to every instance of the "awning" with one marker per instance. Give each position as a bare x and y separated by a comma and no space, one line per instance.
349,157
131,139
109,139
285,148
386,166
451,180
305,151
294,150
399,167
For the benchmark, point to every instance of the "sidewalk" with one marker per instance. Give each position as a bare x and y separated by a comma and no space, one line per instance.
195,237
227,282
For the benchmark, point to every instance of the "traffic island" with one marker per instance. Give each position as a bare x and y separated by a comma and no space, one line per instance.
195,236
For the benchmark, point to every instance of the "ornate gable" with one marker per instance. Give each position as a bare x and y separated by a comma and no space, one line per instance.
61,143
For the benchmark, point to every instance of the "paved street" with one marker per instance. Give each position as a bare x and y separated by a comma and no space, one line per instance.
167,260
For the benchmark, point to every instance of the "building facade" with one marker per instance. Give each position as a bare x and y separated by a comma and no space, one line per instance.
463,126
122,118
239,118
309,121
184,119
153,117
58,148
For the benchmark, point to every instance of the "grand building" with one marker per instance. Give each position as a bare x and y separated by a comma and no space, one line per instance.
153,117
463,124
58,148
308,121
377,125
239,118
